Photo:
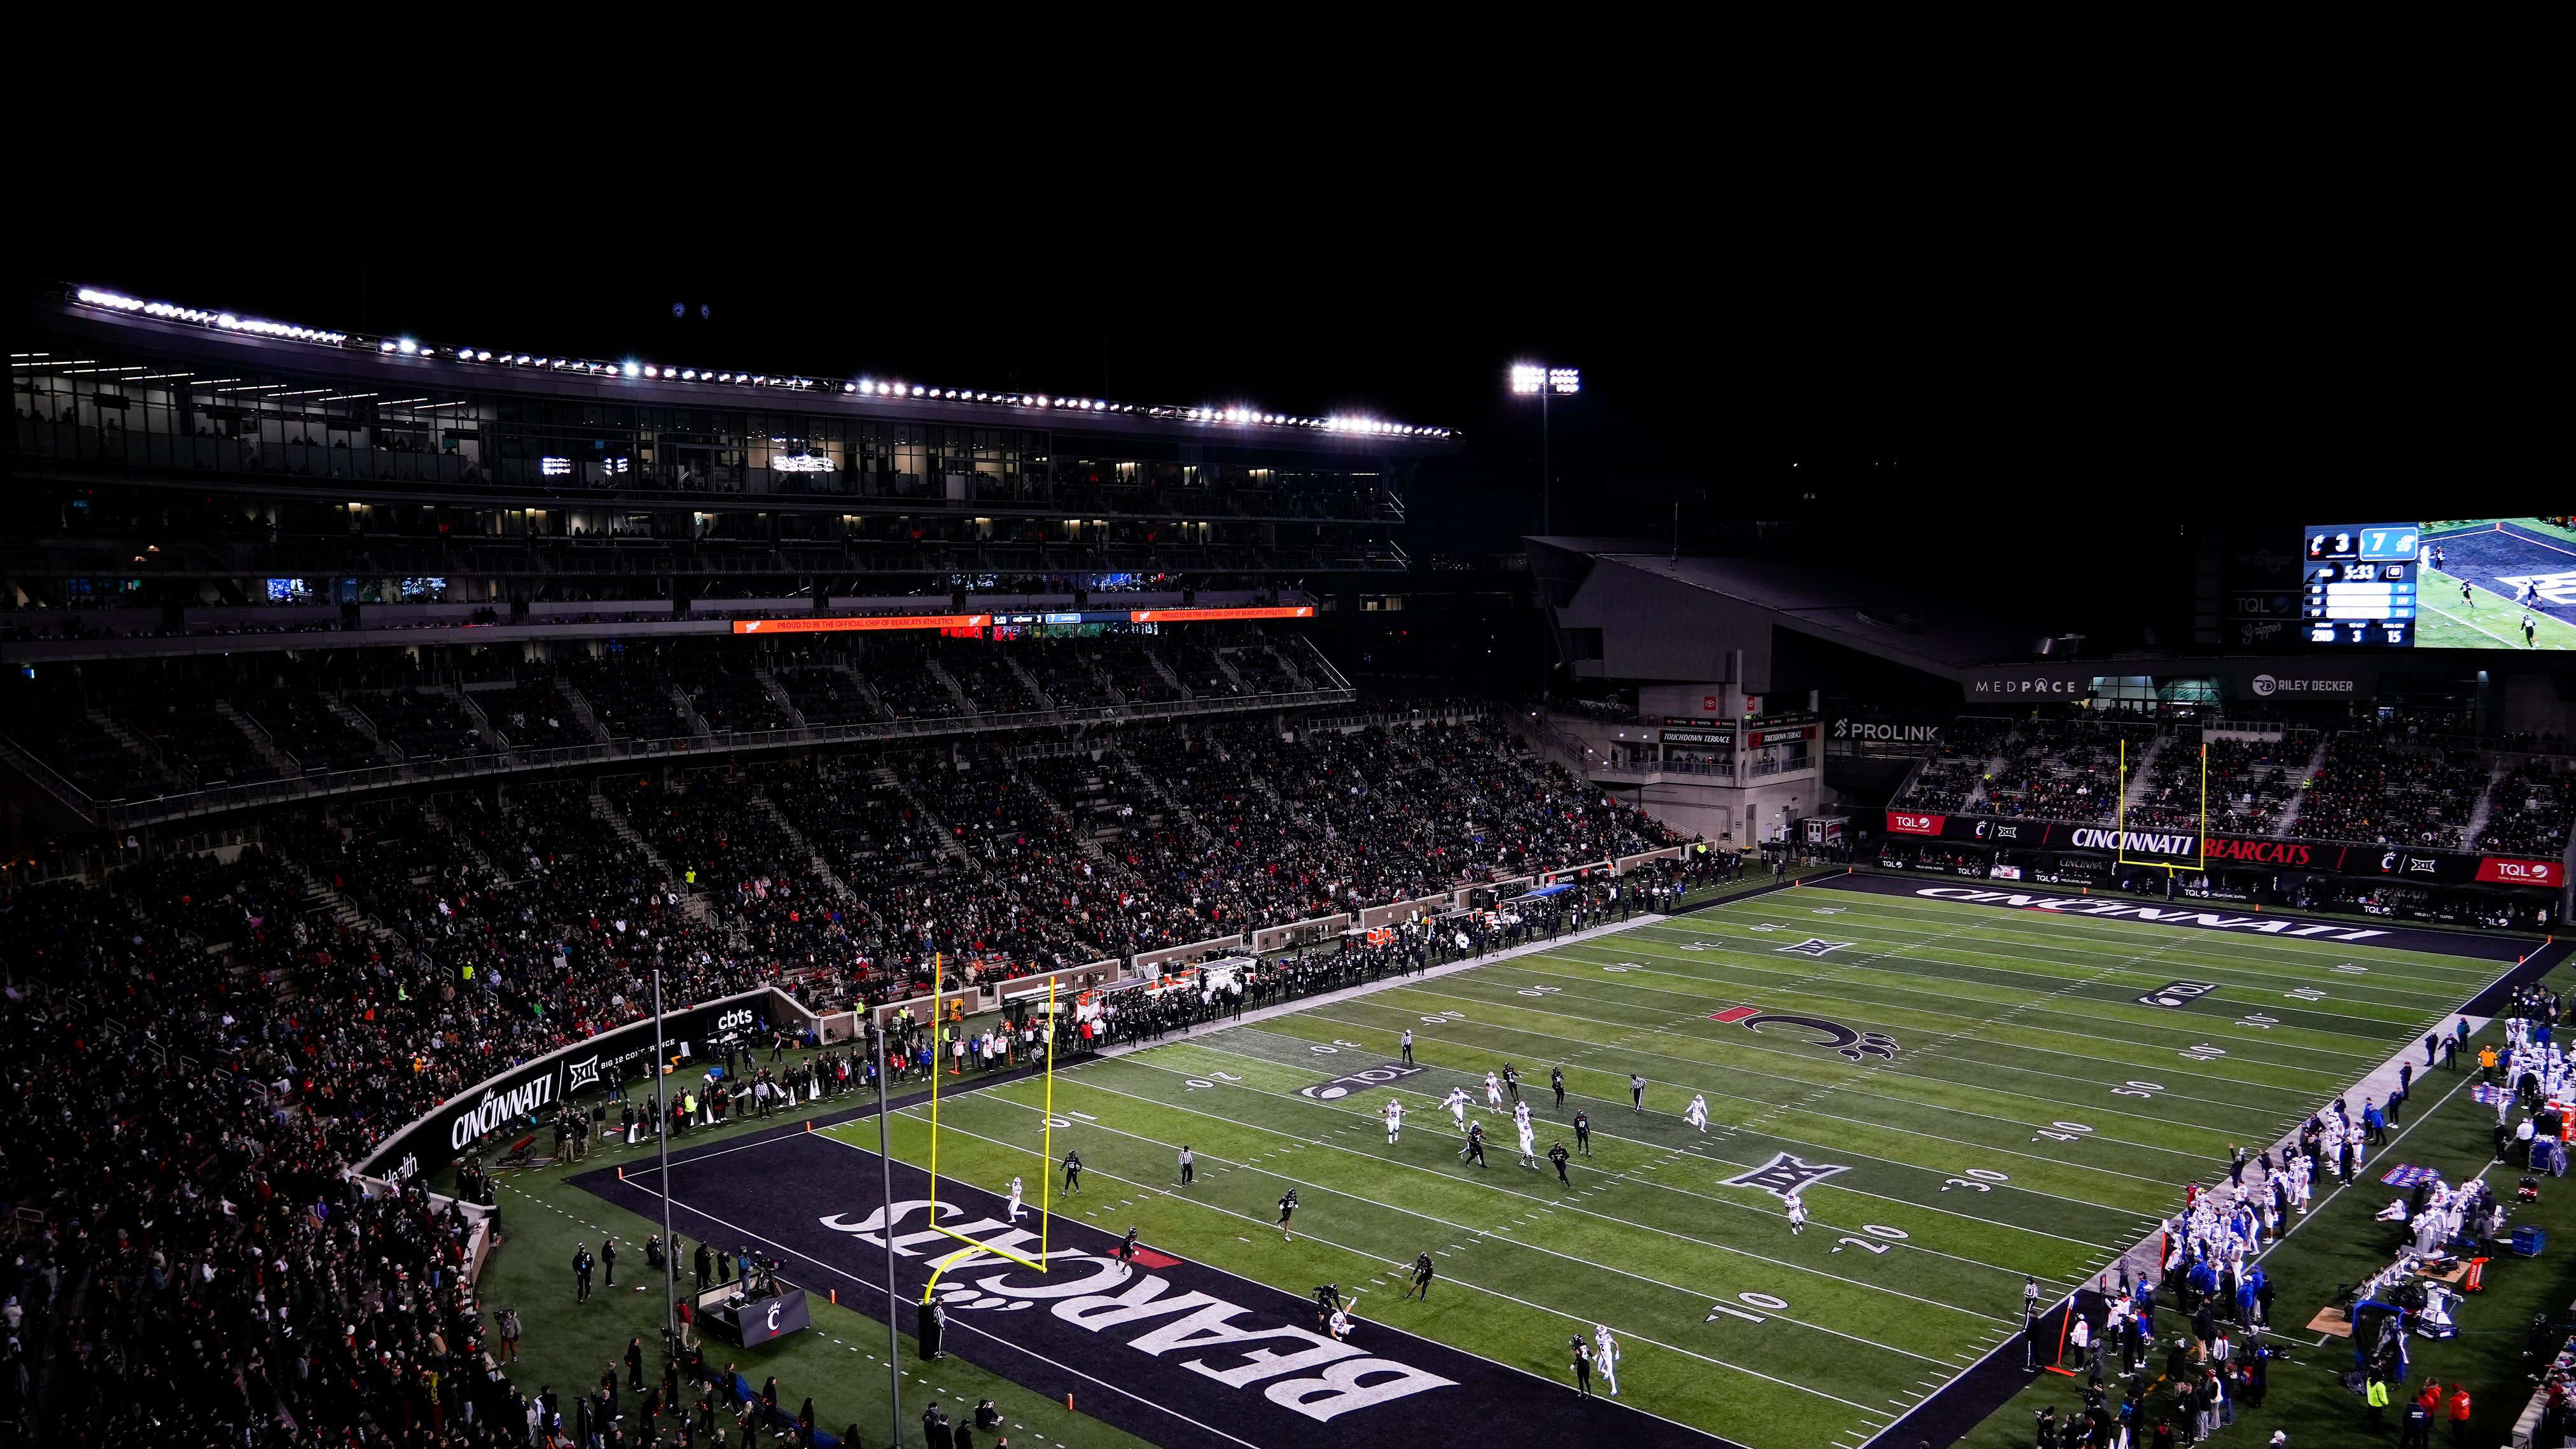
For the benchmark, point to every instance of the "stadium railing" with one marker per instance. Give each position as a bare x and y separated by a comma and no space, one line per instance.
1267,939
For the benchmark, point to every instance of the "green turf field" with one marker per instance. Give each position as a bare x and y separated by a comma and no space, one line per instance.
2491,622
2339,1244
2035,1118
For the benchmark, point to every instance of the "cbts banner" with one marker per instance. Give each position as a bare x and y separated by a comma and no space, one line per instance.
523,1096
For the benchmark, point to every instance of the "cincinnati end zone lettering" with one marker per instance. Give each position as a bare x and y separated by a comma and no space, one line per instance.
2136,842
2205,920
1231,1344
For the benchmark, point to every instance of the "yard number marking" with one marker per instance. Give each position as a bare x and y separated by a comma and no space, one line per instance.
2064,1131
2136,1088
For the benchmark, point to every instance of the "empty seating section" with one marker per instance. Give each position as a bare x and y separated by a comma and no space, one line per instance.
900,673
194,737
987,678
827,696
424,724
533,715
631,698
1066,669
1130,666
727,693
307,729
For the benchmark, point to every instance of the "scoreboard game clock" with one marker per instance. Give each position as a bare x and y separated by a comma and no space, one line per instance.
2358,585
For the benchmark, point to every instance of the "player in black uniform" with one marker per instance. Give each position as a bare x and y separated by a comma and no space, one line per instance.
1558,1155
1421,1278
1072,1170
1287,1208
1127,1249
1556,1079
1583,1134
1511,1081
1474,1151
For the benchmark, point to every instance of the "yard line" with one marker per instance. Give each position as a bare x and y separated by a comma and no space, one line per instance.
1733,1162
1001,1093
1374,1258
2039,1003
2074,932
1860,1121
2071,931
1755,1040
1661,1031
1691,1294
1873,965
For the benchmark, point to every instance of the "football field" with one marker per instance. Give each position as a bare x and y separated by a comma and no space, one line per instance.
1964,1091
2014,1109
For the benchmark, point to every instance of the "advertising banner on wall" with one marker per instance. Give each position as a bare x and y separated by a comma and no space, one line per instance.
530,1092
2184,847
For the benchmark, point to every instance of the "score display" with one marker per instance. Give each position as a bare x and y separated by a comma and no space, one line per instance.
2358,584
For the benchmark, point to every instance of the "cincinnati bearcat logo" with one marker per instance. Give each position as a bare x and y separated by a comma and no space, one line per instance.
1844,1041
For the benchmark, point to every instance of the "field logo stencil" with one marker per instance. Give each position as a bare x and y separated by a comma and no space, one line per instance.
2178,993
1785,1175
1343,1086
1850,1042
1814,947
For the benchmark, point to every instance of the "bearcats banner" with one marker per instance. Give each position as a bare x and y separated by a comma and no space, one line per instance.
535,1089
2432,867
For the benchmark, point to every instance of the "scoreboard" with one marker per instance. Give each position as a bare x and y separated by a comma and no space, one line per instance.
2358,584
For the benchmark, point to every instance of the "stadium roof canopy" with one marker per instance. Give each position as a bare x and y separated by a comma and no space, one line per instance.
1630,611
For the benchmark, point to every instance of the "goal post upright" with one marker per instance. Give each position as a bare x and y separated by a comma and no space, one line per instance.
939,1057
2120,821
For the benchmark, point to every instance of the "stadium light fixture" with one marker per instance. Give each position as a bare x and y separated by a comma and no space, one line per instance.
1537,379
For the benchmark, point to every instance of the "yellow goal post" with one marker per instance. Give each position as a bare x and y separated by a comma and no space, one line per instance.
941,1057
2120,821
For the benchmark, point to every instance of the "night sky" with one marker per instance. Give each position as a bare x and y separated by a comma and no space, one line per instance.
2044,398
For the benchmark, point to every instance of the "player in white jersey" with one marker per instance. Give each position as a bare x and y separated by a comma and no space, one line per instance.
1797,1213
1493,1091
1529,1146
1520,1115
1605,1357
1015,1199
1457,1105
1696,1115
1394,1119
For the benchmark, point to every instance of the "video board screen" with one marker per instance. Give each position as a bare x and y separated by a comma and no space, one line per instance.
2480,583
2498,583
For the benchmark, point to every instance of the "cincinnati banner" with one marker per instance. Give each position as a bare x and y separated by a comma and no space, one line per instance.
523,1096
2431,867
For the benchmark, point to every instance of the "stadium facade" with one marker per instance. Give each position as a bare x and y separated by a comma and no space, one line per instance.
206,505
1769,702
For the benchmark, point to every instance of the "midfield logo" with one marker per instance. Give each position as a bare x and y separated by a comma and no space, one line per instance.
1813,947
2177,993
1343,1086
1846,1041
1784,1175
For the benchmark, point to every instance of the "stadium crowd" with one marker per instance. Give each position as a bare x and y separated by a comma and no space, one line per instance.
208,1237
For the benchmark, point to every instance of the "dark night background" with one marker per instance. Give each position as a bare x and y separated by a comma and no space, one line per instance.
2037,396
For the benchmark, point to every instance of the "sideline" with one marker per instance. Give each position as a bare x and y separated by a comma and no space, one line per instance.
1982,1389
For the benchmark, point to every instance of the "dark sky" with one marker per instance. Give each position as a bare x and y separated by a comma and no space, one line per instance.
2010,376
